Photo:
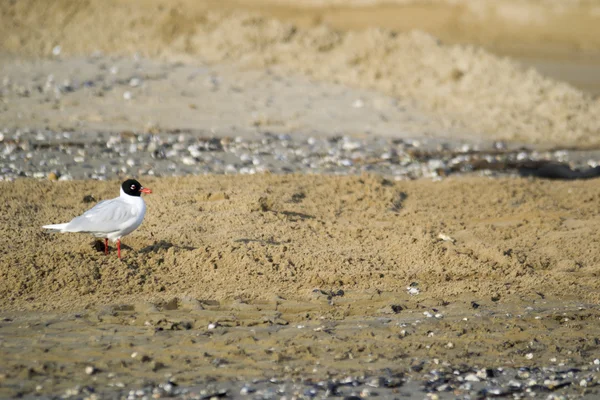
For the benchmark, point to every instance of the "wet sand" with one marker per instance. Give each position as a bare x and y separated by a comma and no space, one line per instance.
110,351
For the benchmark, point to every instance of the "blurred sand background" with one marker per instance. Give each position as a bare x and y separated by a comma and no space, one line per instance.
251,250
426,53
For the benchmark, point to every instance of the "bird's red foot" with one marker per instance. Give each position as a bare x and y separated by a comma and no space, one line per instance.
119,248
105,245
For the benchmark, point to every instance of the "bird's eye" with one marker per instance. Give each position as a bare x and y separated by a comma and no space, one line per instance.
132,187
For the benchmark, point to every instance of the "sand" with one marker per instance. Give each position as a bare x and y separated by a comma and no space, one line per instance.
476,93
228,237
297,275
210,100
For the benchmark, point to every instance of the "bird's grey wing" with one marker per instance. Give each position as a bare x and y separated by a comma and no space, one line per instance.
106,216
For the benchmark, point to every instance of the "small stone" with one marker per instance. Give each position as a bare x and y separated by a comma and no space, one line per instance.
485,373
246,390
156,365
375,382
188,161
471,378
522,374
450,345
583,383
135,82
90,370
127,95
52,176
551,383
413,291
444,387
358,103
145,358
514,384
446,238
391,309
529,356
597,361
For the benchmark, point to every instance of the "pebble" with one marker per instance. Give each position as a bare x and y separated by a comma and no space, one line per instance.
413,291
435,383
38,153
246,390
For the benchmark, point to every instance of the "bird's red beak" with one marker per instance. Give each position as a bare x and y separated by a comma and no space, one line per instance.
145,190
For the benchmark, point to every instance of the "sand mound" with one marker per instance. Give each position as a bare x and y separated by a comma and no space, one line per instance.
256,237
476,93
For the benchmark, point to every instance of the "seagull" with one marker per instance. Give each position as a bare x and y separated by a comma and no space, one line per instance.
111,219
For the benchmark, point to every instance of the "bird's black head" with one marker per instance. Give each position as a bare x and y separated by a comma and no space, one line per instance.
134,188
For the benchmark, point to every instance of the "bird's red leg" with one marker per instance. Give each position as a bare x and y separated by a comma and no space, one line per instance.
105,245
119,248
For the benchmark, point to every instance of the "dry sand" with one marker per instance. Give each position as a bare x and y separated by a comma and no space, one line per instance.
222,238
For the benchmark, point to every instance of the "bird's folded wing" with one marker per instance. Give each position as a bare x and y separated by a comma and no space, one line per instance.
106,216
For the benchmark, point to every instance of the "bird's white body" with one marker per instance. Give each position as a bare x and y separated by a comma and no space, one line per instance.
109,219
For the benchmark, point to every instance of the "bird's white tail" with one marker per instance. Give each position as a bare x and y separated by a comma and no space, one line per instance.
56,227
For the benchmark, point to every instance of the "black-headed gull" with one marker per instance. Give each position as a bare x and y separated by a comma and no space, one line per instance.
111,219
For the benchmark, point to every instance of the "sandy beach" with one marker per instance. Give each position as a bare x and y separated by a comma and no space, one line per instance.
290,251
328,217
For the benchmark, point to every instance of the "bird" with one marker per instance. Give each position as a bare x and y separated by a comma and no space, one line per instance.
111,219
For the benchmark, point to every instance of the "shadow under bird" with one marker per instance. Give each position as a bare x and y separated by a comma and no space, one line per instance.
111,219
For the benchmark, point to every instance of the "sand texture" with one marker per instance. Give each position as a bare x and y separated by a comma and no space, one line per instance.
222,238
298,276
271,249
